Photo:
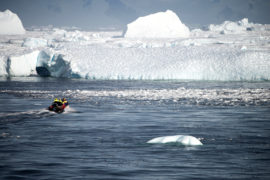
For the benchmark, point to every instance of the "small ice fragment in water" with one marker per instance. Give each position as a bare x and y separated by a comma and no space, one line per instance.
182,139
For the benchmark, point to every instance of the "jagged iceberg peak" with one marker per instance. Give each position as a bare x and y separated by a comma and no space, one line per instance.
10,23
159,25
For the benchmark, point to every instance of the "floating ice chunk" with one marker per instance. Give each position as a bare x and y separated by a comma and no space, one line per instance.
243,48
182,139
35,42
243,22
158,25
232,27
23,65
76,36
96,35
10,23
191,42
59,32
70,35
197,32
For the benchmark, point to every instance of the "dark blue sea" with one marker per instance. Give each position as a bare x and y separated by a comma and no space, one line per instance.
103,134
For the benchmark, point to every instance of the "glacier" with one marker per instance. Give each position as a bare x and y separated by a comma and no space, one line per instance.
232,51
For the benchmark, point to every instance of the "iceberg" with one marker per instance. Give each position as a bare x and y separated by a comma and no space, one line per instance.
180,62
205,55
98,61
10,23
159,25
181,139
229,27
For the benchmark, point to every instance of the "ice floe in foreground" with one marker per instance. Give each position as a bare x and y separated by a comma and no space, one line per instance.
181,139
10,23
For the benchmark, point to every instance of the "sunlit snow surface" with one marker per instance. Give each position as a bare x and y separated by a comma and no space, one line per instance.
241,52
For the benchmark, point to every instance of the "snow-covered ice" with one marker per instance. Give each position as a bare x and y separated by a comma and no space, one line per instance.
158,25
35,42
182,139
239,27
204,55
10,23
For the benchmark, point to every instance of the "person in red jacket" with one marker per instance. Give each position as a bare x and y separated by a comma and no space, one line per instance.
65,103
58,105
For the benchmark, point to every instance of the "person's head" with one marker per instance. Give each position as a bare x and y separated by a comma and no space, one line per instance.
64,99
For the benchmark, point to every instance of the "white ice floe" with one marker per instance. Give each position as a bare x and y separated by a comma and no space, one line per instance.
10,23
158,25
181,139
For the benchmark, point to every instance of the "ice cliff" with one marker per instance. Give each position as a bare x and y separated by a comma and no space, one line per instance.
10,23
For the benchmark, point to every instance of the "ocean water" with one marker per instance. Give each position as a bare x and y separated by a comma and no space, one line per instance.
103,134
